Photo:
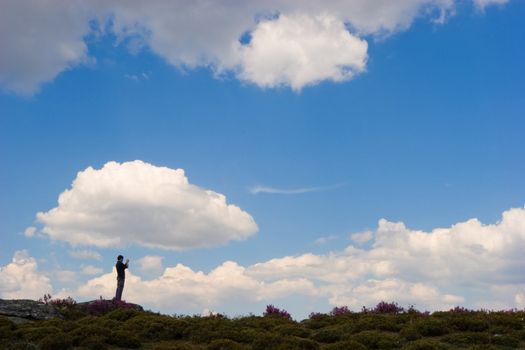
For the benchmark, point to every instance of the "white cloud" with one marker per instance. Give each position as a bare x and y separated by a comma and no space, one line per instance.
182,290
301,190
325,239
30,231
138,203
20,279
91,270
482,4
294,43
362,237
273,190
64,276
38,40
300,50
150,263
428,269
85,254
137,77
468,264
519,298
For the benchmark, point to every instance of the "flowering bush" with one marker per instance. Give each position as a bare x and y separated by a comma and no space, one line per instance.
460,310
387,308
66,303
102,306
273,311
340,311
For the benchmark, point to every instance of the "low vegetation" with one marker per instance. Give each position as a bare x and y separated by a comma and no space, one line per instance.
106,324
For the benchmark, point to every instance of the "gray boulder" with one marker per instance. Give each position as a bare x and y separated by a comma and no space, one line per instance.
28,309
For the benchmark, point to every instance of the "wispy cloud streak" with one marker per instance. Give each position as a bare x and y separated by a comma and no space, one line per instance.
289,191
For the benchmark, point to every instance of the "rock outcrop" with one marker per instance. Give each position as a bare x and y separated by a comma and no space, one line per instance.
28,309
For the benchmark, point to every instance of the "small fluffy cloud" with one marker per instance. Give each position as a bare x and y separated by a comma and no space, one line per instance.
300,50
150,263
85,254
30,231
293,43
92,270
138,203
362,237
325,239
20,279
484,3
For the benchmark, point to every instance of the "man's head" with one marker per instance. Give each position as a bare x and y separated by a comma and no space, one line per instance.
120,257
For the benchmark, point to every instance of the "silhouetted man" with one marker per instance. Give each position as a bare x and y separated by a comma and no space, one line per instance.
121,276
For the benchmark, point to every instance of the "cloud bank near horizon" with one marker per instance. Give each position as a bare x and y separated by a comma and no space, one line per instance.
469,263
270,44
136,203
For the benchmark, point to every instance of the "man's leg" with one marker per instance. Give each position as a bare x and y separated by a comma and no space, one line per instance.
120,288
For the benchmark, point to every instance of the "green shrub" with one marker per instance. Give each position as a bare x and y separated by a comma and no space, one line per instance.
121,314
504,323
156,327
267,341
318,321
377,340
261,323
6,332
425,344
108,323
5,322
296,330
81,334
224,344
56,341
124,339
410,333
87,320
431,327
246,335
204,331
73,314
65,326
518,334
468,323
327,335
303,344
94,342
34,333
174,346
387,323
6,328
20,345
466,338
274,342
505,340
345,345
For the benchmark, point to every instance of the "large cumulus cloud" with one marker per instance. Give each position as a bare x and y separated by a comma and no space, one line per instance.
293,43
470,264
20,279
139,203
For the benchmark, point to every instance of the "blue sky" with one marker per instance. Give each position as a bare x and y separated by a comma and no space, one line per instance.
355,177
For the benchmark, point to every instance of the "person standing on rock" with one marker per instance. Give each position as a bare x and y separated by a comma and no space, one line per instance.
121,276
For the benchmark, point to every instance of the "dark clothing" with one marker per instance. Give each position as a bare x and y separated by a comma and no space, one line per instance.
120,288
121,274
121,277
